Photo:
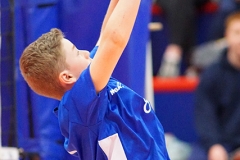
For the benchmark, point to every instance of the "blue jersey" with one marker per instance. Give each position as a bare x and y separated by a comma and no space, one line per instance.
115,124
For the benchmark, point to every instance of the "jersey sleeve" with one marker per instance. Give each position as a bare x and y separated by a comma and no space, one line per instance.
93,52
89,105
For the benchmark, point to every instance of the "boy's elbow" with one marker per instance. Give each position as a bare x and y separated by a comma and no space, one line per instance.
118,39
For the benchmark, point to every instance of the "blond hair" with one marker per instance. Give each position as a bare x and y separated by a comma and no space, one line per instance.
41,63
232,17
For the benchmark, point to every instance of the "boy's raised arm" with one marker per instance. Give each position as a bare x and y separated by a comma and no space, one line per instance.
110,9
114,37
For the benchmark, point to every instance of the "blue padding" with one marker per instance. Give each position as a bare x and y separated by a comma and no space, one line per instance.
81,21
175,112
34,3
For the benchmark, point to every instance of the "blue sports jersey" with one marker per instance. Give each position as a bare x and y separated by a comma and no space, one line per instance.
115,124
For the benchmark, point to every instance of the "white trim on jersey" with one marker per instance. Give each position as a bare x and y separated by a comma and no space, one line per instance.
72,152
112,147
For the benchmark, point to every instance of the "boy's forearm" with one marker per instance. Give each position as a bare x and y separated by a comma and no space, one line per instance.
110,9
121,21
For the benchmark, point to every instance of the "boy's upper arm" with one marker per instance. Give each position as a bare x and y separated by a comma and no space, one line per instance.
112,42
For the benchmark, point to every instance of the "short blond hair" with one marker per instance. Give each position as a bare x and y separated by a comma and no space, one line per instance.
42,61
235,16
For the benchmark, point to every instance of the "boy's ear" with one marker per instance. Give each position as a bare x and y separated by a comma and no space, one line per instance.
66,78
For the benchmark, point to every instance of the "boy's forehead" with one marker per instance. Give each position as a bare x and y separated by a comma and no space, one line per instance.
66,41
67,45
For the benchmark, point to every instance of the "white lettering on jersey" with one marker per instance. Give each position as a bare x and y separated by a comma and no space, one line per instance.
112,147
115,90
145,108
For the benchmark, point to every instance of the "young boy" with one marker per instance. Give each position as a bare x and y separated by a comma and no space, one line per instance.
99,117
